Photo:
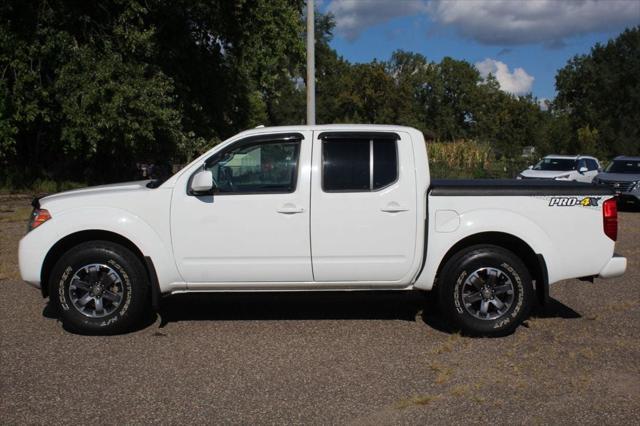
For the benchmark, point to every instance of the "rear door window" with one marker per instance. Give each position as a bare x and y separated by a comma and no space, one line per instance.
358,165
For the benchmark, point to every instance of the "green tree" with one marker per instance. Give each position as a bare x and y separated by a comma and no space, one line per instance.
454,94
601,91
88,88
414,78
588,139
331,72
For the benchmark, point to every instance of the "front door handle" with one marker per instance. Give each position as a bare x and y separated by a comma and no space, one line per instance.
290,209
394,207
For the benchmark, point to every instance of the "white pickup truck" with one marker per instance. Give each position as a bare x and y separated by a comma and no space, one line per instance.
308,208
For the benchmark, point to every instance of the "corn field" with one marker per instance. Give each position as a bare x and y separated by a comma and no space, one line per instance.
470,159
460,154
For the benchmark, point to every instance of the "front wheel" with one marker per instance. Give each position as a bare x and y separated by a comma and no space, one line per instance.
485,290
99,287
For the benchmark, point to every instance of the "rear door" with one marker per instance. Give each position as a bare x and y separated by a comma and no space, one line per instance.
363,204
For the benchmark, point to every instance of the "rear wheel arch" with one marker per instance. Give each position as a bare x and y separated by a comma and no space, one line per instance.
72,240
533,261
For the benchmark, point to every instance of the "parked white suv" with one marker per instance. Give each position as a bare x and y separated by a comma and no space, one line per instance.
578,168
304,208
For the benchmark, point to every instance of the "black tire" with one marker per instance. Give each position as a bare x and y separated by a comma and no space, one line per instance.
495,275
118,279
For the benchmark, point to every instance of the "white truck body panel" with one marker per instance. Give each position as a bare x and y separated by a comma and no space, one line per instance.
310,239
568,252
131,210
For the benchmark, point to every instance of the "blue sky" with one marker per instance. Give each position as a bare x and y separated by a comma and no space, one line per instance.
523,43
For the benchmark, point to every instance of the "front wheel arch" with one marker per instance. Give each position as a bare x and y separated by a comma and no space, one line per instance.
72,240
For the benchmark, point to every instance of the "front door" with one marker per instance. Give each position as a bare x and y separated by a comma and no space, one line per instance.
363,200
255,227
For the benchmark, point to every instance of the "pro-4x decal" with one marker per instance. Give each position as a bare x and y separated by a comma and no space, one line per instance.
574,201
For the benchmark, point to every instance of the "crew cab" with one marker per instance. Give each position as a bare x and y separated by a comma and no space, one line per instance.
579,168
309,208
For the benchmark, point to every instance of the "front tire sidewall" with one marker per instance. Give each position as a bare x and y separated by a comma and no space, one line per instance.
470,262
124,264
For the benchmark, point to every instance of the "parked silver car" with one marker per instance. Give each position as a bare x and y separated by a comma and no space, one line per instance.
623,175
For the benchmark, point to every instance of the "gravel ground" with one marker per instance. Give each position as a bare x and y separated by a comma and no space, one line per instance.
364,358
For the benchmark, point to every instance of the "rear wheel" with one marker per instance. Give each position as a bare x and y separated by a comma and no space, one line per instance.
485,290
99,287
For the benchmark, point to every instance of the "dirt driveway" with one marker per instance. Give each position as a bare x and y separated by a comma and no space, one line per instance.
322,358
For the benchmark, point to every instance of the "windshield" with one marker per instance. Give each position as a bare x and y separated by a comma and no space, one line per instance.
556,164
624,166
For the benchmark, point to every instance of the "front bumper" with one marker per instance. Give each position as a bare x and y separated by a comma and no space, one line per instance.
31,258
616,267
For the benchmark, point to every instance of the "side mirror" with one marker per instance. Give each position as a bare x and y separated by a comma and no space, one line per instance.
583,169
530,167
202,183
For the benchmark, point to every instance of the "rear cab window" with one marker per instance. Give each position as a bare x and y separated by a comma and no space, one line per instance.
359,164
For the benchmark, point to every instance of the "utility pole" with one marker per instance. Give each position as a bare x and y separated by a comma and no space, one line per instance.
311,65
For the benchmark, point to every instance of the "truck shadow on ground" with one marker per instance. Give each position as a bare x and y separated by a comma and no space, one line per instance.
362,305
291,306
405,306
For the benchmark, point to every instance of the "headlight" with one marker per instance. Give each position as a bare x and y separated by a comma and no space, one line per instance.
635,187
563,176
38,217
519,177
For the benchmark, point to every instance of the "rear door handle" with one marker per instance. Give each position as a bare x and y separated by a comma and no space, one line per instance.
290,209
394,207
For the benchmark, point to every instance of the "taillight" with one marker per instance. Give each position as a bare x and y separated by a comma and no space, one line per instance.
38,217
610,218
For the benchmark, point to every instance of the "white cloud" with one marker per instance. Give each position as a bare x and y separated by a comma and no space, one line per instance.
501,22
517,82
354,16
508,22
